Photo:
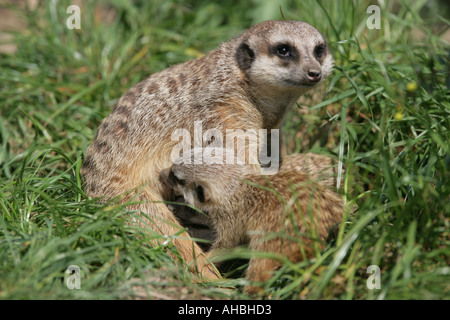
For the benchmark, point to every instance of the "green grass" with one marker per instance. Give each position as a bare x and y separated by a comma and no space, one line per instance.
385,113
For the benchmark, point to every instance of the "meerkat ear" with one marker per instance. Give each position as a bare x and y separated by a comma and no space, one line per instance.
245,56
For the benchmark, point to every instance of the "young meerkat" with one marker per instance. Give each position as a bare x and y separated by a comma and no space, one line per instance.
287,213
317,167
247,83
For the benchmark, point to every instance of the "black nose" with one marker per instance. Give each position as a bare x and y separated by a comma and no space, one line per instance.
314,76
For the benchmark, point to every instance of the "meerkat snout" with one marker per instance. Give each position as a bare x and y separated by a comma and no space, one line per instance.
314,75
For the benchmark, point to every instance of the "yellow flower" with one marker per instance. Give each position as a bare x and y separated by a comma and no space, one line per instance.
411,87
398,116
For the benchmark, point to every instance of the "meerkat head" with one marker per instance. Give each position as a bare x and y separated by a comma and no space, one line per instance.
203,183
289,55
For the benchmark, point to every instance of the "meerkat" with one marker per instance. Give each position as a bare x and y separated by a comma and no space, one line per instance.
253,209
320,168
317,167
246,83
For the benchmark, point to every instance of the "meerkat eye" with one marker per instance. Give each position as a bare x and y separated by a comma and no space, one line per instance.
200,194
283,51
319,51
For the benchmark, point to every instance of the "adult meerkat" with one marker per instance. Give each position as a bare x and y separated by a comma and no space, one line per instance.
247,83
317,167
287,213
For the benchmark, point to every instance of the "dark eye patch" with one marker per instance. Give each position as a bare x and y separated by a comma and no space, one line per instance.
174,179
320,50
200,194
284,51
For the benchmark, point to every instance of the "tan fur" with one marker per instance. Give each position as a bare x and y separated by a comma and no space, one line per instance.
237,86
318,167
245,208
